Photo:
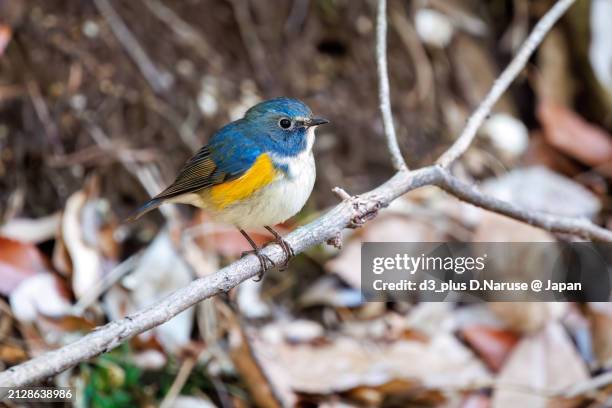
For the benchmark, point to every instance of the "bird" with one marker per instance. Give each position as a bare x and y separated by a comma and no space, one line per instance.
257,171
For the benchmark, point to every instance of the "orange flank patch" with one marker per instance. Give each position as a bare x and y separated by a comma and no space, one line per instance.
259,175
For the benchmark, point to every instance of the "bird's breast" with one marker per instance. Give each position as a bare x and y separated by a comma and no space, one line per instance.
279,198
261,174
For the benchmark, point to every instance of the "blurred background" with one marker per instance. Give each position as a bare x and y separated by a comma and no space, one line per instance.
101,102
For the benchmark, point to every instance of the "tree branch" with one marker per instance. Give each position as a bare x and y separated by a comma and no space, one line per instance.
355,210
352,211
581,227
502,83
383,88
159,80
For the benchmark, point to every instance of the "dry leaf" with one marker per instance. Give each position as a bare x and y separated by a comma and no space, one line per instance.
475,71
249,300
12,354
267,392
160,272
540,153
600,52
26,300
539,189
188,401
18,261
85,239
328,291
600,317
33,231
343,363
493,345
554,81
528,317
508,135
5,37
541,364
570,133
476,400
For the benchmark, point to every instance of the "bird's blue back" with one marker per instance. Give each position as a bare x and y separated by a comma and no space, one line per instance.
235,147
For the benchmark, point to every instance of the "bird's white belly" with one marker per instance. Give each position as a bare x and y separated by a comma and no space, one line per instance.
276,202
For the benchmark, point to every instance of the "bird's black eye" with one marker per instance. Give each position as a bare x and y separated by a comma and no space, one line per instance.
284,123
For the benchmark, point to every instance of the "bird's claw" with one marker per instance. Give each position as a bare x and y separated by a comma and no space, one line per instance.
263,259
289,252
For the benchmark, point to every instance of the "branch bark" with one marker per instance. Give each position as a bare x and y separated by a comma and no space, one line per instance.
383,88
352,211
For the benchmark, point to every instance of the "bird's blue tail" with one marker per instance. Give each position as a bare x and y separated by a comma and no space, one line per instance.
145,208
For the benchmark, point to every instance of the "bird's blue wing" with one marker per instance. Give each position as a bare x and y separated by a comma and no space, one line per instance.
228,155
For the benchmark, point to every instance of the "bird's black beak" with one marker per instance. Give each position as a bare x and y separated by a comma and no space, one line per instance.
316,122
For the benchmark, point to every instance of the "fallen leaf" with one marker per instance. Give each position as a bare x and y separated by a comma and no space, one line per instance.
84,236
150,360
249,300
508,135
5,37
539,189
600,52
528,317
493,345
328,291
160,272
554,81
433,27
188,401
540,153
18,261
474,71
343,363
29,230
539,365
476,400
600,318
12,354
570,133
267,392
26,300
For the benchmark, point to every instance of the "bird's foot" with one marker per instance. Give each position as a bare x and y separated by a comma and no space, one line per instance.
286,247
263,261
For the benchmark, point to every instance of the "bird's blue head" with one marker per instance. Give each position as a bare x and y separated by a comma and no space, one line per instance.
284,126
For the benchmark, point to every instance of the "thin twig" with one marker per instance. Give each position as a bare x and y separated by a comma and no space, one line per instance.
160,81
420,61
179,382
383,88
253,45
103,285
502,83
186,33
570,225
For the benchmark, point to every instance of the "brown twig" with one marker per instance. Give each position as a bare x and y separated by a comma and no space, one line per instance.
160,81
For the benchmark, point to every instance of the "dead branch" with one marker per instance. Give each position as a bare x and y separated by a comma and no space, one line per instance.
383,88
160,81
